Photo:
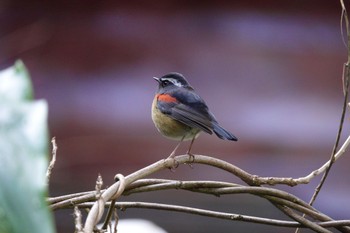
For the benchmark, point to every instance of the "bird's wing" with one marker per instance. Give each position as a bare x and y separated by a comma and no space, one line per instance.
189,109
191,118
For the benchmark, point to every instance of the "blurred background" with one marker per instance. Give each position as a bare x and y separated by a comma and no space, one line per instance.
270,71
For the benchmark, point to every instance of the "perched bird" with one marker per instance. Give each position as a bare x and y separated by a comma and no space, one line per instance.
179,113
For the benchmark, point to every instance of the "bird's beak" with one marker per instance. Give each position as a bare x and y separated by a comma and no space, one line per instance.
157,79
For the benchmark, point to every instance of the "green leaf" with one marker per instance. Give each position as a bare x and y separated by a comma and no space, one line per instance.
23,155
15,83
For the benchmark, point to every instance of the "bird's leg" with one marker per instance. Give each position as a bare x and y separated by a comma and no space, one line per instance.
189,150
172,155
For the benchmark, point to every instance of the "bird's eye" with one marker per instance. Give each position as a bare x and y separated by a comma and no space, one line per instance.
165,83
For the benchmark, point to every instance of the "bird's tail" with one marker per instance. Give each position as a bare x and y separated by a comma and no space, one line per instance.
223,133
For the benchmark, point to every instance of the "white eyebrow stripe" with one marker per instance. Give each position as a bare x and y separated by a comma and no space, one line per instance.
173,81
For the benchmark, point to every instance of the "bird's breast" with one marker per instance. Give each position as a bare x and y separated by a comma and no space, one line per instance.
169,127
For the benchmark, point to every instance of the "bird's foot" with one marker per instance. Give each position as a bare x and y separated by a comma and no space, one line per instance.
175,162
191,161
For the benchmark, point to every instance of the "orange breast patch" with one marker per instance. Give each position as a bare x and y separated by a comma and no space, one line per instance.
166,98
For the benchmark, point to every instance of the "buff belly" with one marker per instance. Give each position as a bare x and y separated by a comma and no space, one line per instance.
171,128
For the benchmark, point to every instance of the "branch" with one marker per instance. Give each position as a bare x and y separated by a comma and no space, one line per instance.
94,215
309,177
72,199
53,160
346,82
302,220
221,215
286,202
112,192
77,220
276,197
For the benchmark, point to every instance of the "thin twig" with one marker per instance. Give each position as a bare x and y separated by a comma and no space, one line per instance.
94,215
53,160
52,200
98,186
345,80
77,220
221,215
308,178
99,200
116,220
302,220
90,196
345,102
332,158
121,179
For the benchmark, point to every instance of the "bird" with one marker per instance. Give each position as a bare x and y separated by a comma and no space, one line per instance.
179,113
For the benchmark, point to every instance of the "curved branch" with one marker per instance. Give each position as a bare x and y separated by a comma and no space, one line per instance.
253,180
306,223
280,199
93,216
248,178
208,213
323,168
277,197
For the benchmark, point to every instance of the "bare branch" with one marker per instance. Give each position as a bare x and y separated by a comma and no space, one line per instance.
302,220
346,82
221,215
121,179
308,178
74,200
276,197
77,220
95,215
98,187
52,200
206,187
282,200
53,160
70,200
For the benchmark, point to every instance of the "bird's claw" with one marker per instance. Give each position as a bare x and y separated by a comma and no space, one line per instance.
175,162
191,161
175,165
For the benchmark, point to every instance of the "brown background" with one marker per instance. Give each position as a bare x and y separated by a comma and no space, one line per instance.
270,72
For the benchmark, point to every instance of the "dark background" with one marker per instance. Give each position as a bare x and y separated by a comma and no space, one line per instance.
269,70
